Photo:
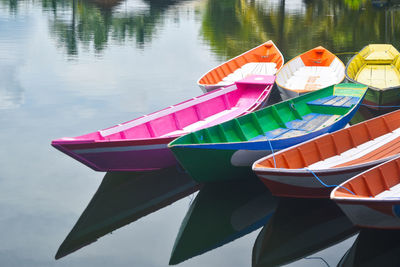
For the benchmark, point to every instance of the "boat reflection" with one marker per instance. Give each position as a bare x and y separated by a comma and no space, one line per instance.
221,213
298,228
124,197
374,247
365,113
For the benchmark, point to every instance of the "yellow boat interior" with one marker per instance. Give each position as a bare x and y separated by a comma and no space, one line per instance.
376,65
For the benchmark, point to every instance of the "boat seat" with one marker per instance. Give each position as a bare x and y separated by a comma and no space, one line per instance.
311,78
279,133
207,122
309,123
312,122
335,101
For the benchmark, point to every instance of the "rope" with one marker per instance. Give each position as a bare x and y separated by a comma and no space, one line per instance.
326,185
272,151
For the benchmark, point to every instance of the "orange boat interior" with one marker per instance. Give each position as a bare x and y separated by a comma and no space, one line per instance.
318,56
264,53
336,143
373,182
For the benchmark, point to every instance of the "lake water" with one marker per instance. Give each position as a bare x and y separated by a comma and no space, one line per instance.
72,67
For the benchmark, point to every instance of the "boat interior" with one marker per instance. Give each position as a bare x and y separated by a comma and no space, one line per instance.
381,182
265,59
193,114
284,120
377,65
372,140
313,70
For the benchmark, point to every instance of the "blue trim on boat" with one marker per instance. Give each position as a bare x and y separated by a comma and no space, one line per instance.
277,143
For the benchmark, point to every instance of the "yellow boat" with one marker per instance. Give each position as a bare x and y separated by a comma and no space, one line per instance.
378,66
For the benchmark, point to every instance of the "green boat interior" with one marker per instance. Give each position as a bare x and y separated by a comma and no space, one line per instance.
287,119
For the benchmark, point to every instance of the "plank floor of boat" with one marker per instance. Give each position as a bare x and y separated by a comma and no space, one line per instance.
379,76
252,68
394,191
311,78
381,147
309,123
221,116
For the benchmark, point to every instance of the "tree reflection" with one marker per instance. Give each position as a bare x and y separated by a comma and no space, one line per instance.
231,27
91,24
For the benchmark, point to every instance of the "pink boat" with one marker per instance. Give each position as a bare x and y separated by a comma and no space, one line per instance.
141,144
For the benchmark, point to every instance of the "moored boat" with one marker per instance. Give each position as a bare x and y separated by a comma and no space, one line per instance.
228,150
310,71
372,198
265,59
332,158
378,66
141,144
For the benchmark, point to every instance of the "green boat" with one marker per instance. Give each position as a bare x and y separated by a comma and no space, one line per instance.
227,151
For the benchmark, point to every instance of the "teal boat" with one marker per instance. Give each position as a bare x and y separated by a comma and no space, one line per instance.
226,151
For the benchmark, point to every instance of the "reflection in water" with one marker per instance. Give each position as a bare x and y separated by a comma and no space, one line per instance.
96,22
366,113
374,248
300,227
221,213
11,92
228,27
231,27
124,197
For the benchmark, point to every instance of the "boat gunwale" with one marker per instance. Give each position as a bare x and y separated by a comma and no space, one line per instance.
331,170
303,90
75,141
204,85
171,145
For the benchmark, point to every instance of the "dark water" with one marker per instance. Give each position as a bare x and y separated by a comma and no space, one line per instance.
72,67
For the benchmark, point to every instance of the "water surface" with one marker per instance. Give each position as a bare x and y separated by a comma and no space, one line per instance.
70,67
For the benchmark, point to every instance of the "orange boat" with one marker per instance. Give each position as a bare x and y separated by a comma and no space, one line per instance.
265,59
311,169
310,71
372,198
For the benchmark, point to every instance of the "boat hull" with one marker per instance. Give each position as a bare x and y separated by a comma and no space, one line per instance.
131,156
374,199
304,184
377,66
310,71
233,161
142,144
265,59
